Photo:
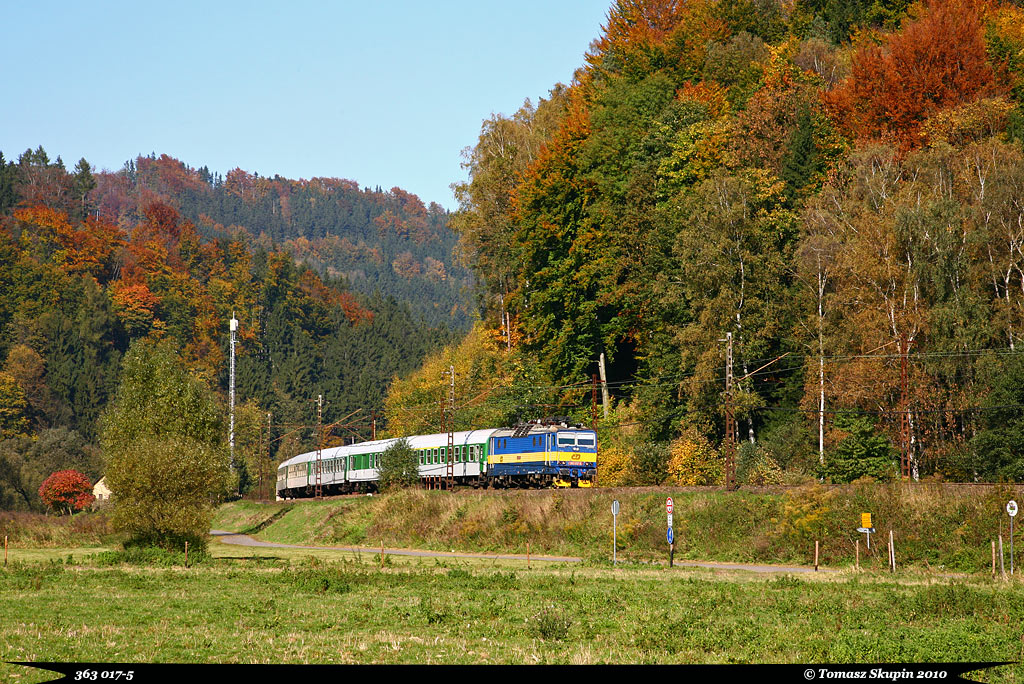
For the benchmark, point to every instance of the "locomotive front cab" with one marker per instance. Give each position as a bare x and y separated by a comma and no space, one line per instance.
575,458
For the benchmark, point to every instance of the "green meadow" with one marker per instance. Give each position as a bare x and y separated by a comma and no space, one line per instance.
77,597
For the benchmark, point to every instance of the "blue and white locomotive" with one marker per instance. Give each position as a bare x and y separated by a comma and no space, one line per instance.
537,454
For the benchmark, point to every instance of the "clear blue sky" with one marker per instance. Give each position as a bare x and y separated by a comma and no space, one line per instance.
380,93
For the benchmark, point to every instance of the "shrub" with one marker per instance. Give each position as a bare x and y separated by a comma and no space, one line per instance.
551,624
613,467
863,452
165,442
693,461
649,464
806,513
764,471
399,466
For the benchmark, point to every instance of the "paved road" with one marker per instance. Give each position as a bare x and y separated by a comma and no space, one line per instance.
245,540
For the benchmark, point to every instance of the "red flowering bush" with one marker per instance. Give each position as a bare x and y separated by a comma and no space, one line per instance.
66,491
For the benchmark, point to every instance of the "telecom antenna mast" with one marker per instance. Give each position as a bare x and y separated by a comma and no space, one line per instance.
318,466
231,390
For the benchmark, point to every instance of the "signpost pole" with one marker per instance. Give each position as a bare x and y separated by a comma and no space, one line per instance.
671,536
1011,510
615,521
866,528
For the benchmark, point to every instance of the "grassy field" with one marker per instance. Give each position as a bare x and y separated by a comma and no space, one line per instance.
68,595
274,606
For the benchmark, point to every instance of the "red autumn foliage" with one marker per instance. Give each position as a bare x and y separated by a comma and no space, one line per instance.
66,491
933,63
168,175
163,219
314,288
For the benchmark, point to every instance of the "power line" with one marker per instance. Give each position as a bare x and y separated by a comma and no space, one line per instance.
884,412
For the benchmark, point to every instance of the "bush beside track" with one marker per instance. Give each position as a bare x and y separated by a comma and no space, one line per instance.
936,526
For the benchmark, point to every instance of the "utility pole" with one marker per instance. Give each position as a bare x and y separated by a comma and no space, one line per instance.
270,458
593,403
450,424
604,387
373,426
233,327
730,419
319,446
259,464
905,469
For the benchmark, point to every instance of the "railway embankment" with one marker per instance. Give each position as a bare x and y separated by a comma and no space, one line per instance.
935,526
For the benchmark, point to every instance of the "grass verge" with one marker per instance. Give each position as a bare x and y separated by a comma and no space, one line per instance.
947,528
432,611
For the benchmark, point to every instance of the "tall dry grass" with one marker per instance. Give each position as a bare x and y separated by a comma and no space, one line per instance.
947,527
39,530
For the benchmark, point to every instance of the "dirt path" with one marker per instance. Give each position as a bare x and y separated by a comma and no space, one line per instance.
245,540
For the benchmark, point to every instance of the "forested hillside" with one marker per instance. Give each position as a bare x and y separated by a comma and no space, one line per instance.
386,241
838,185
90,264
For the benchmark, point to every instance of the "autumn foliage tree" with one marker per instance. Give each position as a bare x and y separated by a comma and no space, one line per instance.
938,61
66,491
693,461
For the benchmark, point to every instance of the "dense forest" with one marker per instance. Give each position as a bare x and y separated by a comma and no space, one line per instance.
377,241
92,263
837,186
833,189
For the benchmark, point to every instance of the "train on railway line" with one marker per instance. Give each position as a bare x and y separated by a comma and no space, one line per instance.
543,453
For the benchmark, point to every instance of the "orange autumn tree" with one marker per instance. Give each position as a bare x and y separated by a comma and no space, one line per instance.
935,62
134,304
90,247
643,36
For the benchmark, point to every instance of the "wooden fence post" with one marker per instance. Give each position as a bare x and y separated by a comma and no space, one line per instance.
815,555
856,550
892,552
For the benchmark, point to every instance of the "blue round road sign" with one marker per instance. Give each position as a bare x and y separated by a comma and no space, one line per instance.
671,536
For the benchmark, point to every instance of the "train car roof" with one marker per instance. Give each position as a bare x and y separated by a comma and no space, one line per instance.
376,446
538,429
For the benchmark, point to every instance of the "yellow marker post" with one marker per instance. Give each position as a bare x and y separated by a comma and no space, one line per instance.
866,527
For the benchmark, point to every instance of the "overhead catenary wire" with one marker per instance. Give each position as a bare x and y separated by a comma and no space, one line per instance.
716,377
